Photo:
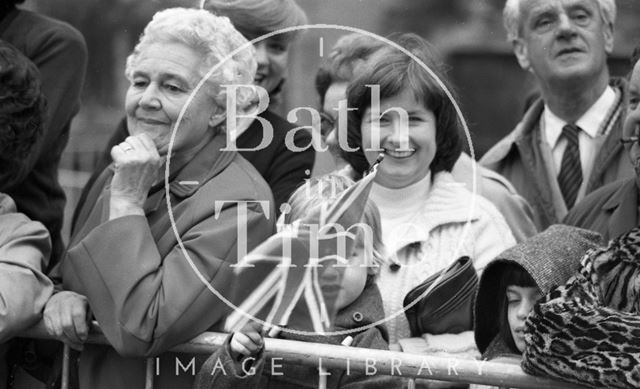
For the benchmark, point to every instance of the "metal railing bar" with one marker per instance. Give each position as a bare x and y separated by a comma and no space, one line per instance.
361,360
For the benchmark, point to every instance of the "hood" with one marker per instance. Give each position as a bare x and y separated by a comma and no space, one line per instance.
550,257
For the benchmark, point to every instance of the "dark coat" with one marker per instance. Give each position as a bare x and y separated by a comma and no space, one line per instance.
611,210
365,310
519,158
60,53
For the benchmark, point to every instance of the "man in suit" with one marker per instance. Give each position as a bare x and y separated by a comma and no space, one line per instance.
567,144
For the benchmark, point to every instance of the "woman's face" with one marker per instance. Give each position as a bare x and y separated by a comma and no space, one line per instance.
163,77
520,300
632,121
407,141
272,55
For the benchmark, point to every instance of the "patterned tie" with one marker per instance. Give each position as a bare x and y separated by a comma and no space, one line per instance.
570,177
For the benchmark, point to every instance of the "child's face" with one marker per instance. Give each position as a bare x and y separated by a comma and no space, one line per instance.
353,279
520,300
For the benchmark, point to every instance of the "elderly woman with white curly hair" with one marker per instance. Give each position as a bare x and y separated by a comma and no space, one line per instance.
139,238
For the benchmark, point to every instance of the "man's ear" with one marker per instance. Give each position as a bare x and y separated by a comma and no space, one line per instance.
607,30
521,52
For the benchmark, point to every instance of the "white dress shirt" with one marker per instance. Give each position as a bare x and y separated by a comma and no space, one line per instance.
594,126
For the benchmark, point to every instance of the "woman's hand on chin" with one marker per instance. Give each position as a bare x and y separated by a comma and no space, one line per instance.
137,166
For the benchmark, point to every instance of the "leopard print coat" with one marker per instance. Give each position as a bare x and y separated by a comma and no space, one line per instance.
588,331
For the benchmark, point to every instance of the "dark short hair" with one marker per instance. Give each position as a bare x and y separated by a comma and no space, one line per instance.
394,71
511,274
349,52
22,107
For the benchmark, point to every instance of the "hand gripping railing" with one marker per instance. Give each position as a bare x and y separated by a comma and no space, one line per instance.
358,360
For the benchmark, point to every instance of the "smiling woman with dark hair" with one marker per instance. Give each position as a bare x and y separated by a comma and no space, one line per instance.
428,219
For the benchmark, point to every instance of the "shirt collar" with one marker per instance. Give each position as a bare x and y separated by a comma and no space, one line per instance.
590,122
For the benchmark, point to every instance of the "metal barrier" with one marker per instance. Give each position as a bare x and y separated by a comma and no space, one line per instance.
358,360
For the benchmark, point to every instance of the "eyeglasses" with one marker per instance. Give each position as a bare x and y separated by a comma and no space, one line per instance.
327,123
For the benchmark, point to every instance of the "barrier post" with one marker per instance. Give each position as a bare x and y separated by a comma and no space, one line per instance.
148,379
66,351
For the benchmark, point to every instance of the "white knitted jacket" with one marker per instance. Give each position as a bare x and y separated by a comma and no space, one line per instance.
440,224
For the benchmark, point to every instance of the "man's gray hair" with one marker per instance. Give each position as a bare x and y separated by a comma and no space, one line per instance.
511,16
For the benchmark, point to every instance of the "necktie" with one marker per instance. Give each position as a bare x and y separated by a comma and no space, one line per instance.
570,177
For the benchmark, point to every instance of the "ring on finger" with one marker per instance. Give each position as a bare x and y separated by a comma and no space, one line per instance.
126,147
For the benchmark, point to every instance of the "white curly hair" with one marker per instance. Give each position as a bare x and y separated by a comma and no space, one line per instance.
511,16
212,36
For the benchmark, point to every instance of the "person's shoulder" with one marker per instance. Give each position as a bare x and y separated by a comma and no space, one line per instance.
45,23
243,179
56,28
495,183
593,203
460,194
502,150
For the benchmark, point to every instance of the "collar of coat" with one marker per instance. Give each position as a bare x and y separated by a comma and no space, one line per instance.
530,122
187,179
448,202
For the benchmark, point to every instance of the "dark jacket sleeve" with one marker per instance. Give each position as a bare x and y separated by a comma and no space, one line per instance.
146,303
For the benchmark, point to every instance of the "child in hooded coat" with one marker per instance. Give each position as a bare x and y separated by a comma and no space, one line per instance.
513,282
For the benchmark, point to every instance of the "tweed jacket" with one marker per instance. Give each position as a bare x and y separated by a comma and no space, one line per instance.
365,310
521,159
611,210
141,287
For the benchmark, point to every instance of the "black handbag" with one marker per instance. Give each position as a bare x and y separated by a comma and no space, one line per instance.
448,307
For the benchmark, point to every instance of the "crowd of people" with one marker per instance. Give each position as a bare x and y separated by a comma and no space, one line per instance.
431,267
